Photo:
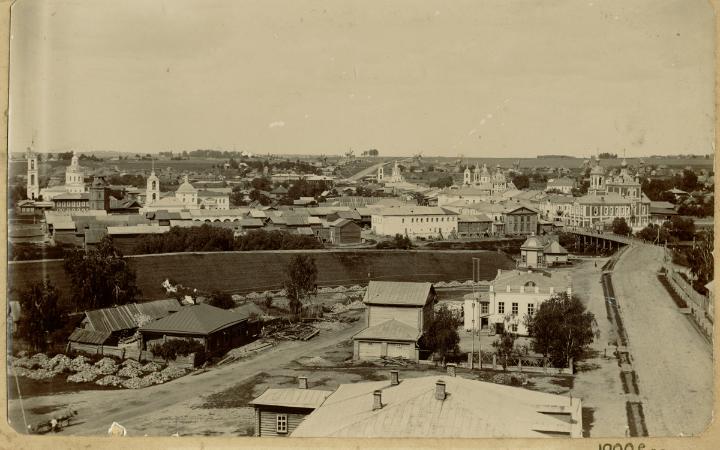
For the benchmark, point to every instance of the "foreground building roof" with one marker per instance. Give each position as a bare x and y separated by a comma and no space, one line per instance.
397,293
469,408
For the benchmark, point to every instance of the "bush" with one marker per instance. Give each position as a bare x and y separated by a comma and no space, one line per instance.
173,348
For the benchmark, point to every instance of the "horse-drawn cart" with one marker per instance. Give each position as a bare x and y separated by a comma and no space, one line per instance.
55,424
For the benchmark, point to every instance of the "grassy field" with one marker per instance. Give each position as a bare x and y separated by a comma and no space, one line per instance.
258,271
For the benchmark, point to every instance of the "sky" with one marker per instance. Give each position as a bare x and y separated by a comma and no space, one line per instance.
463,78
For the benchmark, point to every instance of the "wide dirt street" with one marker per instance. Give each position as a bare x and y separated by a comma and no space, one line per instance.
672,360
98,409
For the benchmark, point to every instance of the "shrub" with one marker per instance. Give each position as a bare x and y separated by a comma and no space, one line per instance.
173,348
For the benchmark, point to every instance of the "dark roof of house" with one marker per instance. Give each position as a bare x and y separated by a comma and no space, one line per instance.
84,336
397,293
123,317
201,319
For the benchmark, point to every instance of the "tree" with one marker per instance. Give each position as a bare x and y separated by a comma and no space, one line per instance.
619,226
301,281
689,181
701,261
41,314
654,233
441,336
561,329
505,347
680,228
521,181
100,277
220,299
442,182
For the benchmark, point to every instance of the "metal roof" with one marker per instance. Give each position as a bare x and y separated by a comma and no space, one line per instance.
390,330
201,319
123,317
471,408
398,293
84,336
292,398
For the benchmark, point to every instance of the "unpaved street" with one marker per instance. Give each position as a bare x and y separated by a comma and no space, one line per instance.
98,409
672,361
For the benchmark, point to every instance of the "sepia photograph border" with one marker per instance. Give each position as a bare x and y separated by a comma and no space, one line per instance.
9,438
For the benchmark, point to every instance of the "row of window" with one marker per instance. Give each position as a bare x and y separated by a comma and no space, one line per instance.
430,219
514,308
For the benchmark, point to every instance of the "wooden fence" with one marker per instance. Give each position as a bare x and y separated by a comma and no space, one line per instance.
130,353
699,304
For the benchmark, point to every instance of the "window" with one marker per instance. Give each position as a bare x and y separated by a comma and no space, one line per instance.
513,328
531,309
514,309
484,307
281,423
501,307
153,185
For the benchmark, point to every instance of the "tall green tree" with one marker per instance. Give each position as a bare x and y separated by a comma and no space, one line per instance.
100,277
441,336
301,281
41,315
562,329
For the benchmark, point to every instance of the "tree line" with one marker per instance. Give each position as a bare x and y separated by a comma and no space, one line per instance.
208,238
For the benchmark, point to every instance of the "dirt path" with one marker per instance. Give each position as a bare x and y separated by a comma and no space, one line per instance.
672,361
597,381
98,409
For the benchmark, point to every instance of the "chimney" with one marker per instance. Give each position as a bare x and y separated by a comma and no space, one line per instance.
302,383
394,377
440,390
377,400
451,369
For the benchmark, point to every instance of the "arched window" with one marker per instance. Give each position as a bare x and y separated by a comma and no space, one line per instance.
32,179
153,184
32,164
530,284
153,196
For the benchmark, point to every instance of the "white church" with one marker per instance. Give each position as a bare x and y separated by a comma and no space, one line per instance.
74,179
185,198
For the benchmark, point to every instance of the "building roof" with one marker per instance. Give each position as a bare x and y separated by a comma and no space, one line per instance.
611,198
471,408
414,211
201,319
84,336
561,182
138,229
292,398
72,196
543,280
390,330
124,317
474,218
398,293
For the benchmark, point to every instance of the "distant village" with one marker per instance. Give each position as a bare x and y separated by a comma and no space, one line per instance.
514,253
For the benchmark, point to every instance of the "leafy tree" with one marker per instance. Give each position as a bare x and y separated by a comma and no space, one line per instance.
505,347
620,226
655,233
521,181
301,281
442,182
261,184
100,277
221,300
562,329
16,193
681,228
701,260
441,336
398,242
41,314
689,180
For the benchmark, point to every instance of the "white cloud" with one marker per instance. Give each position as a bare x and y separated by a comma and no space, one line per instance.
276,124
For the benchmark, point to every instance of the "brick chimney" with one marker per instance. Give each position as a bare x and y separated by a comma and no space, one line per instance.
440,390
377,400
394,377
302,383
451,369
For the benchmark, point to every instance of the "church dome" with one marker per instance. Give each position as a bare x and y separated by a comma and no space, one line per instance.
597,170
186,187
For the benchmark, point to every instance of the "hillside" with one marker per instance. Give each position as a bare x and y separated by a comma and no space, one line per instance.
258,271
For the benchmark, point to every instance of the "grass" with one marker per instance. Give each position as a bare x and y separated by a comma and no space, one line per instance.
236,396
259,271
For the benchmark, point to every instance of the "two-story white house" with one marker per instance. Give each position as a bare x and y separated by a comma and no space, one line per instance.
415,221
513,295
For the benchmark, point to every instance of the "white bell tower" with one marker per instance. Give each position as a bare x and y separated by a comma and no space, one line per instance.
33,184
152,193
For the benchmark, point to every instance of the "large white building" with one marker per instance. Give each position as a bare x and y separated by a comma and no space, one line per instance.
618,195
414,221
186,197
513,295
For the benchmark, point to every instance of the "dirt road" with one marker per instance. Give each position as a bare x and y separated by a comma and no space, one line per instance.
673,362
98,409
